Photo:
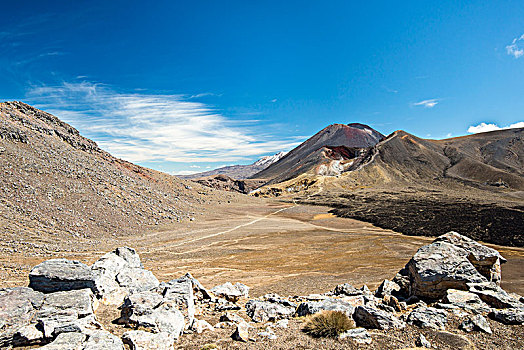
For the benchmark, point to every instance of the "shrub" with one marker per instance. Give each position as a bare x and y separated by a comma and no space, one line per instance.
210,346
328,324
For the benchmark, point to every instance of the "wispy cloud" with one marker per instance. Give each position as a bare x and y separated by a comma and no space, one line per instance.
143,127
185,172
484,127
516,48
427,103
38,57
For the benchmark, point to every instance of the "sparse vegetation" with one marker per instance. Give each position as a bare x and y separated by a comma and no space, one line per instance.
328,324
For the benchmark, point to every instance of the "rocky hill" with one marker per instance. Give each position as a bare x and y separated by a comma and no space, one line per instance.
54,181
331,151
239,172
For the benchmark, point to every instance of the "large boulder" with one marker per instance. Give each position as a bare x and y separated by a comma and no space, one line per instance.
494,296
82,301
428,317
485,259
136,279
151,311
180,291
450,262
119,273
67,341
18,307
387,288
328,304
57,275
369,317
508,316
263,311
141,340
103,340
231,292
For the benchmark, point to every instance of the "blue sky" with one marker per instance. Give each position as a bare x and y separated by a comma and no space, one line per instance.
184,86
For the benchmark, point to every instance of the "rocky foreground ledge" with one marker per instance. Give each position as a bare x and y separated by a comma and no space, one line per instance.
453,278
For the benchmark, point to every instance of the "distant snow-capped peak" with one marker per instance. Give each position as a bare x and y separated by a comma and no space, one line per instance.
268,160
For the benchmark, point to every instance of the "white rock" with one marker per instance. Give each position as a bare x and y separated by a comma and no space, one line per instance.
141,340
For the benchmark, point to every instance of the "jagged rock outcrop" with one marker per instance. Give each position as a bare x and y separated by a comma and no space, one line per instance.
61,275
494,296
486,260
358,335
231,292
263,310
476,323
428,317
387,287
18,307
508,316
442,265
328,304
241,332
150,310
369,317
64,317
141,340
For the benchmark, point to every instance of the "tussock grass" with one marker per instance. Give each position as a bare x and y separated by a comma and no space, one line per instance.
327,324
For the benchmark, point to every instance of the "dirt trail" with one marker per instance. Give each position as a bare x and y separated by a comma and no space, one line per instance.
229,230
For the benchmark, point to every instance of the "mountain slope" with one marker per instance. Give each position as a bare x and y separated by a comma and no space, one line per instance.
488,159
329,151
53,180
239,172
472,184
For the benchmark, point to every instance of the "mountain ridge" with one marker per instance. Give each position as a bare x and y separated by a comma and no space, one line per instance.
239,172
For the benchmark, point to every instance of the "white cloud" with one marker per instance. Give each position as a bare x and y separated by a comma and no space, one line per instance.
483,127
184,172
167,128
427,103
515,49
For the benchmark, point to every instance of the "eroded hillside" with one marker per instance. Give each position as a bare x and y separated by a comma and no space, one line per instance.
54,181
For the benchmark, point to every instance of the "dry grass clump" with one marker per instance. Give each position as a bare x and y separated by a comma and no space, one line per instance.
328,324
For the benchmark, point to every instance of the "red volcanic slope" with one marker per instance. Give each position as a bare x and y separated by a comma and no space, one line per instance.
300,159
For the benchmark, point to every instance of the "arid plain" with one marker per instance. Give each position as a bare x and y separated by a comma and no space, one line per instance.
268,245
